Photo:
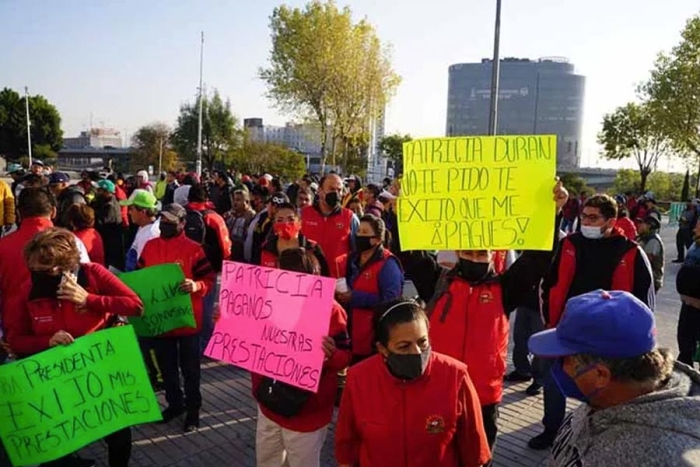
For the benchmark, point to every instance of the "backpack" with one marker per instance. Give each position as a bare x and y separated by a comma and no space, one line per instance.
196,226
196,230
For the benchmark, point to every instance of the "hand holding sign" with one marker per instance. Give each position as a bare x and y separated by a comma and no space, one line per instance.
166,297
477,193
561,196
274,323
61,338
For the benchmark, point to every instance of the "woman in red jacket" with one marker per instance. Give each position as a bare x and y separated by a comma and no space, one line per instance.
286,229
373,276
178,350
81,219
64,301
408,406
299,433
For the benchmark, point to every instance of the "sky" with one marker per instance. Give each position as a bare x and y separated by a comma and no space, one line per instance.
129,63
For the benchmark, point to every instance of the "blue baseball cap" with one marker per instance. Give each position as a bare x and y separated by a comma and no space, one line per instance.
58,177
600,323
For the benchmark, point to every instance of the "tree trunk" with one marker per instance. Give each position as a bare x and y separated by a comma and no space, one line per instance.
324,135
644,174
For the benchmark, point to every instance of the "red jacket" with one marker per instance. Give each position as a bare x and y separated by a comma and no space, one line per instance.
269,256
215,223
332,232
469,323
190,256
434,420
31,322
318,410
13,270
120,194
627,227
93,244
618,263
362,327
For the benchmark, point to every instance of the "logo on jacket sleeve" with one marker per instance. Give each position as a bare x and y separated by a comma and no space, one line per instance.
339,225
434,424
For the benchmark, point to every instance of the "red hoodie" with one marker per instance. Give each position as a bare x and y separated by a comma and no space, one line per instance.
31,322
434,420
190,256
215,223
318,410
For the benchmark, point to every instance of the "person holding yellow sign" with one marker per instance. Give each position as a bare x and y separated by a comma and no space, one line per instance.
470,310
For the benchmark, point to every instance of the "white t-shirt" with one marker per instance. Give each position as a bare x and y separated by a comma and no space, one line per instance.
144,234
84,256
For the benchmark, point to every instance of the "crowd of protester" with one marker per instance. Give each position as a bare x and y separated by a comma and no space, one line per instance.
418,381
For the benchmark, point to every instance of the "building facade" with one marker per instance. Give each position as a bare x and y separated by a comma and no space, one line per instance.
98,138
542,96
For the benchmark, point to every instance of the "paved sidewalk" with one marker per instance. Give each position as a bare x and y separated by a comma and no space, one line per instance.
227,433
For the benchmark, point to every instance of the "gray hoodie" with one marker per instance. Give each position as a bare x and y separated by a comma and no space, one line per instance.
660,429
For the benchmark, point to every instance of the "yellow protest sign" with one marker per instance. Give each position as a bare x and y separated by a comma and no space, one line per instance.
478,193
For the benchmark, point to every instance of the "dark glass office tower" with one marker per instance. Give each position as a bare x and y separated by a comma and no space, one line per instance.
542,96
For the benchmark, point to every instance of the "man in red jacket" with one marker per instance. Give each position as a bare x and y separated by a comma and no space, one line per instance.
178,350
327,223
598,257
213,236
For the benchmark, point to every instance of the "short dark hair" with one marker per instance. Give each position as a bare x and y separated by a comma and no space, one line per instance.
377,225
605,203
197,194
374,189
652,367
32,180
289,206
307,191
81,216
299,260
393,313
35,202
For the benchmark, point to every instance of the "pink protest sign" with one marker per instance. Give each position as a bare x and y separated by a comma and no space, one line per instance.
272,322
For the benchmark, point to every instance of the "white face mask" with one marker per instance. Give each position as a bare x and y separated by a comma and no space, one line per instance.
591,232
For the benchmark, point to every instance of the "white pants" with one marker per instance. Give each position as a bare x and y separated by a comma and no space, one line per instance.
278,447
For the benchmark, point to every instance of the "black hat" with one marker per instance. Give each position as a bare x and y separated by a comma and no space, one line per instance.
174,212
279,198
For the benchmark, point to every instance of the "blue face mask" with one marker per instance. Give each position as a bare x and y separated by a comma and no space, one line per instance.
567,385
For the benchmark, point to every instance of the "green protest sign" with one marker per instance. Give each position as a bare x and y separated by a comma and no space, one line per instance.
165,306
59,400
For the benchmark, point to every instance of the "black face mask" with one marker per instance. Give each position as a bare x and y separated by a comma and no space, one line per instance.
472,271
332,199
44,285
168,230
363,244
408,366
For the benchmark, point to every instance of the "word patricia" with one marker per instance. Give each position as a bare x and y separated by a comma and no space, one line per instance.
62,399
272,322
481,192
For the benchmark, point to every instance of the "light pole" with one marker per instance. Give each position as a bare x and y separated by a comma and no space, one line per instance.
495,72
160,157
198,167
29,126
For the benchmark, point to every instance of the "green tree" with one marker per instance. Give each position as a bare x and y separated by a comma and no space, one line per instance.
574,183
392,147
47,136
150,143
626,180
256,157
631,131
221,135
673,94
326,68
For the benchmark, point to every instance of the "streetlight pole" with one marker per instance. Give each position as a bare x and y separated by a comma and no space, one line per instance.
29,126
160,157
198,167
495,72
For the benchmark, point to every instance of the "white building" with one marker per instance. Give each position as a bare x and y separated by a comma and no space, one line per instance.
96,138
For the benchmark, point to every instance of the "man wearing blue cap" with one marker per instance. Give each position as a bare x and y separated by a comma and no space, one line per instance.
641,408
